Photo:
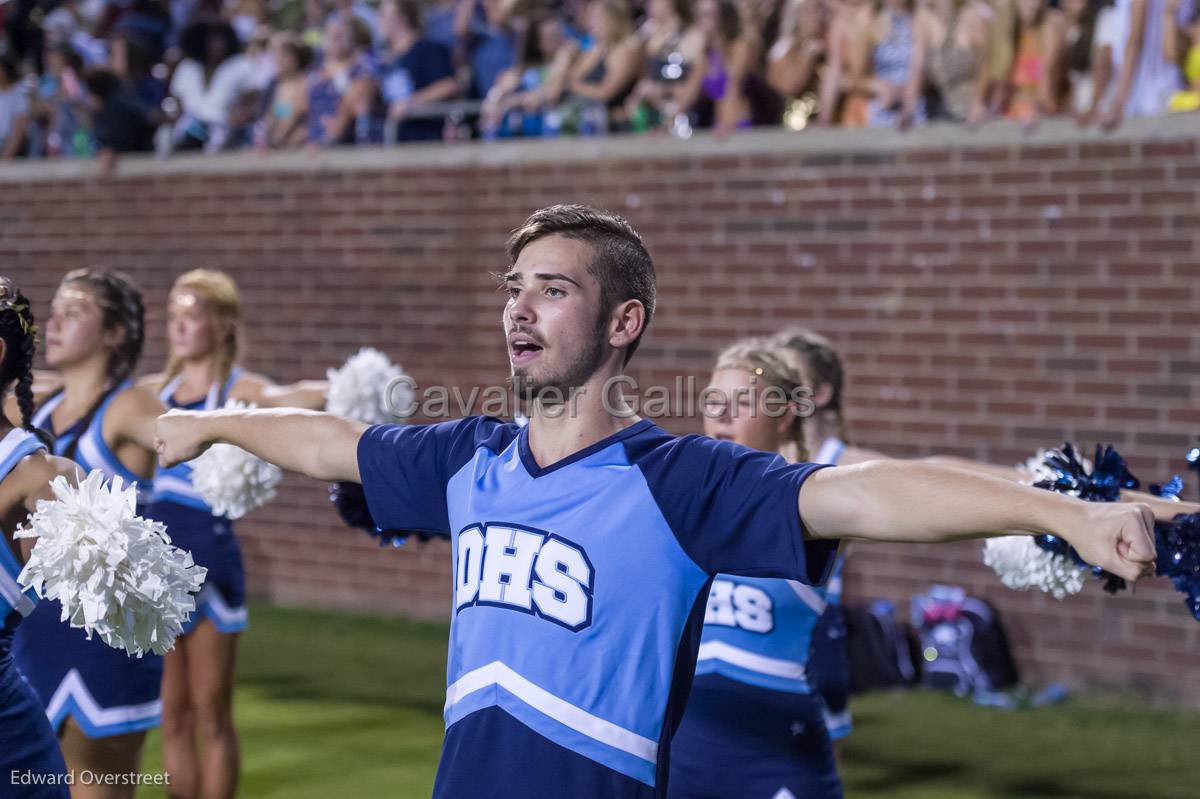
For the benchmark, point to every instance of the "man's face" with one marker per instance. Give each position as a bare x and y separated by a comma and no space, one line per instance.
556,335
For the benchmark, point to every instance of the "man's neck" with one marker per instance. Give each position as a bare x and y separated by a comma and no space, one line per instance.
559,431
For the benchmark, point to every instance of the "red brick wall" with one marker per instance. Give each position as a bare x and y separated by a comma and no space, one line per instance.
990,297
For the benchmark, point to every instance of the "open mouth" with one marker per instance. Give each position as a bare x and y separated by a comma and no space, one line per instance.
523,350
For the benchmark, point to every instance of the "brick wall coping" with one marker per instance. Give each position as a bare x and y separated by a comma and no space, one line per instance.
490,154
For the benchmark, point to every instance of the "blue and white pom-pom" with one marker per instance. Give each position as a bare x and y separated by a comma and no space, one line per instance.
1021,564
233,481
115,574
1178,548
1177,542
368,388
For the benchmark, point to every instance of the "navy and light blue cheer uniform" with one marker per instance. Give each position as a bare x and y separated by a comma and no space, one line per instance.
193,526
105,691
27,743
580,589
755,724
829,661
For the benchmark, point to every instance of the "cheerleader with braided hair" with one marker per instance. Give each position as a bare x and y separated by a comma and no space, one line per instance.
99,700
26,469
200,745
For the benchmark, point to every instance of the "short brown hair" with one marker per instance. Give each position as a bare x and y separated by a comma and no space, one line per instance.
622,265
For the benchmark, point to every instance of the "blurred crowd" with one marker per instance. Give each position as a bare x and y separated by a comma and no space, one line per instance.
85,77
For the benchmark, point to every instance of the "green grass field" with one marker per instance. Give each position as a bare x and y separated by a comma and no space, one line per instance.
339,705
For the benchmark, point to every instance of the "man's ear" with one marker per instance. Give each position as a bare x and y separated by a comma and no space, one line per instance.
627,323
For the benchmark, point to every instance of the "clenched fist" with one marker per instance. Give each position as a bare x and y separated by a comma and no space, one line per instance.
178,437
1118,537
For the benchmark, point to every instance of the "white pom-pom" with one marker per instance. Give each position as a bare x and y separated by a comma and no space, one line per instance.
360,389
116,574
233,481
1022,564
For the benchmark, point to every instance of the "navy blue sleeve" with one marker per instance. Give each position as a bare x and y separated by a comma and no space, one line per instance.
734,509
430,63
405,468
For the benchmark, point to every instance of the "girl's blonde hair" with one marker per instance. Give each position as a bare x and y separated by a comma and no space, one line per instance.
774,366
220,295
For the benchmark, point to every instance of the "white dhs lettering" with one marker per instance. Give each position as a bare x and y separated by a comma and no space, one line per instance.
736,605
525,570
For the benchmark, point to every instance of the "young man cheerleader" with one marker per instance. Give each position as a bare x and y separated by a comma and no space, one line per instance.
584,543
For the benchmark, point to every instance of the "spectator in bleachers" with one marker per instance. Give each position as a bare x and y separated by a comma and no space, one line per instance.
215,87
414,72
14,108
601,79
952,36
367,13
284,123
121,122
131,57
58,114
731,64
342,84
797,60
1087,59
488,32
896,68
1182,46
1144,79
1037,61
674,50
524,98
844,99
1000,49
69,23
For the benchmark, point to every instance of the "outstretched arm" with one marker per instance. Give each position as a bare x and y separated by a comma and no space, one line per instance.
1164,509
320,445
927,503
260,391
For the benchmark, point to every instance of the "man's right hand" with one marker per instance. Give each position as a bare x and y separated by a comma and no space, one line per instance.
178,437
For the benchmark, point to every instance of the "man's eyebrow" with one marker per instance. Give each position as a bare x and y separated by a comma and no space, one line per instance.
548,276
513,276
